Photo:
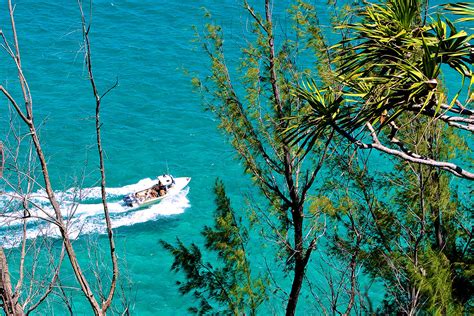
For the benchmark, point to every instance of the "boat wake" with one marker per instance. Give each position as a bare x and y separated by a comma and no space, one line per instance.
83,210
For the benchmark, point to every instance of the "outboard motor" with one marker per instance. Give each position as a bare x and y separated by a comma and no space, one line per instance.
130,200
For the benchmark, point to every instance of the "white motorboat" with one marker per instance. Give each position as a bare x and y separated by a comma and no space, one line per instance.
166,186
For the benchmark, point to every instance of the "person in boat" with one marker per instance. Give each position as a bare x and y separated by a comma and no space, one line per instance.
153,193
162,190
159,188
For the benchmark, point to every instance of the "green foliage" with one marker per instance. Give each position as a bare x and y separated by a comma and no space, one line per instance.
391,64
227,288
251,113
433,278
462,8
405,227
411,225
254,105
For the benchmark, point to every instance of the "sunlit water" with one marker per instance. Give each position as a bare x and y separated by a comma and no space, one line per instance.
153,123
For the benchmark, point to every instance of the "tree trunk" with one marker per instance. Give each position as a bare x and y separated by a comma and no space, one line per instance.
300,262
295,287
9,301
437,213
2,159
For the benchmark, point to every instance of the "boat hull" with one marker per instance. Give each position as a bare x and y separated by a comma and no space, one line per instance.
132,200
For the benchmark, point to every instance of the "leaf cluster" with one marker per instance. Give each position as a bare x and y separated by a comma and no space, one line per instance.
411,224
391,64
226,287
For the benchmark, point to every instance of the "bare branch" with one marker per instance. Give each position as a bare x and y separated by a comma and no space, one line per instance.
455,121
404,153
110,89
28,119
2,159
85,31
15,105
256,17
9,301
51,283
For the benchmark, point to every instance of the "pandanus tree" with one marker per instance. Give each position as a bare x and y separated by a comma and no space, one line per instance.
384,77
408,228
389,66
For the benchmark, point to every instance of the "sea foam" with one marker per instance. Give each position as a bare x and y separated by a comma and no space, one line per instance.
83,211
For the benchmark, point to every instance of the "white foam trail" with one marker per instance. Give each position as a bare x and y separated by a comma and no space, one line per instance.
95,192
75,194
87,218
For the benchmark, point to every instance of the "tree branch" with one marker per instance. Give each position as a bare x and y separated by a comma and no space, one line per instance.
105,303
15,105
412,157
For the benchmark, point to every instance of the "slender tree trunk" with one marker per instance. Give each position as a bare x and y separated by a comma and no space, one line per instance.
301,258
29,121
9,301
296,287
61,225
2,159
437,213
300,262
27,116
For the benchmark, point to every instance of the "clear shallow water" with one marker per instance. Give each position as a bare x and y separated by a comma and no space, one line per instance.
153,122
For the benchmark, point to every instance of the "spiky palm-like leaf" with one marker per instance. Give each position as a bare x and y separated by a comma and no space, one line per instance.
462,8
389,66
325,113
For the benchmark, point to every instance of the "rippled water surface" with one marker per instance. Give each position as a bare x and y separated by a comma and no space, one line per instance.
153,123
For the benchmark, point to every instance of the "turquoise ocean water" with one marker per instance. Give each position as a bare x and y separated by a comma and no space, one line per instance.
153,123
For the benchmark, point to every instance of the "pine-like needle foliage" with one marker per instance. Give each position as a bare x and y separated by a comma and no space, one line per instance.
408,229
227,286
253,106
